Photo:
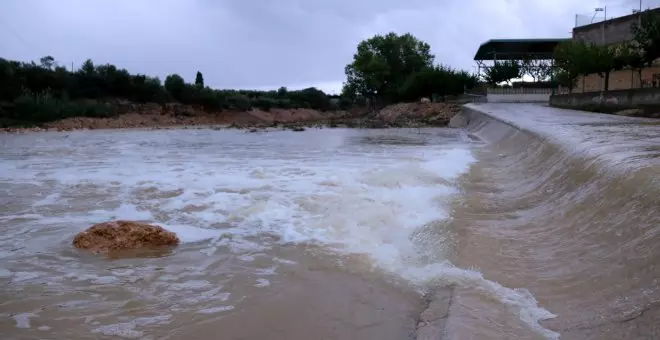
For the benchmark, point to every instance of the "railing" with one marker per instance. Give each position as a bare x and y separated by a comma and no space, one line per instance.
473,98
518,91
585,20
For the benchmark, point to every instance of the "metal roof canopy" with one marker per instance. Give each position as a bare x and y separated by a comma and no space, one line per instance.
516,49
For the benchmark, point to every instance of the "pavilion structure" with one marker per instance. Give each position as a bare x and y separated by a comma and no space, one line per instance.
515,49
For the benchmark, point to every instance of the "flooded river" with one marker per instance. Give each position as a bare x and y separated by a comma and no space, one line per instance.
479,233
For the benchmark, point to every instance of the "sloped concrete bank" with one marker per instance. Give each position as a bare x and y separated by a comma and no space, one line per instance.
560,205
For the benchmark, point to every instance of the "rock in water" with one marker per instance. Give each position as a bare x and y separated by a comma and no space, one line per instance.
121,235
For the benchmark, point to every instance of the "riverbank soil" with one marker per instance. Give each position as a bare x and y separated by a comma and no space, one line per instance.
176,115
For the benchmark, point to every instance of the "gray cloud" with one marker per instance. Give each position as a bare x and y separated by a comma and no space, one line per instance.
267,43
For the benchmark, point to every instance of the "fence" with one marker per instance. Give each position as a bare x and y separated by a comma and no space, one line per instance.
584,20
517,91
472,98
519,95
509,95
614,12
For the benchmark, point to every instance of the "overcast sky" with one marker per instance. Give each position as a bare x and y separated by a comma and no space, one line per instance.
265,44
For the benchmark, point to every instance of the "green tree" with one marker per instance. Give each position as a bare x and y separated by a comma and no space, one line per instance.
438,80
646,34
526,66
349,90
315,98
580,58
571,60
199,80
47,62
564,78
88,67
630,55
503,71
603,62
176,86
383,63
538,69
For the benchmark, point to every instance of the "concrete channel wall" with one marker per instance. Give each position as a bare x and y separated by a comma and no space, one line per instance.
646,101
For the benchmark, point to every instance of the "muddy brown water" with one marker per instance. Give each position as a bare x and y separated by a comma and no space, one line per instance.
487,232
285,235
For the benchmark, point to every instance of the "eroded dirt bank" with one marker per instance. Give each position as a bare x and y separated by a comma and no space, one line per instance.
177,115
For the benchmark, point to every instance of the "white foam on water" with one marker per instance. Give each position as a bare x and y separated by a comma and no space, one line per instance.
23,320
190,285
372,200
128,330
262,283
190,234
284,261
215,310
26,276
5,273
519,299
48,199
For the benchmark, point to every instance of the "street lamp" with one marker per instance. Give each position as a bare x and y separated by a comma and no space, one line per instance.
599,9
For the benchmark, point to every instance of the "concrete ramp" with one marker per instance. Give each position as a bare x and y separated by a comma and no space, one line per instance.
560,216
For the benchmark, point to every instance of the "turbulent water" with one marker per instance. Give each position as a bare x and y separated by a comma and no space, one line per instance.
334,234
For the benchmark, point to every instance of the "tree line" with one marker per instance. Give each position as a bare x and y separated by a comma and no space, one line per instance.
577,58
385,69
40,92
394,68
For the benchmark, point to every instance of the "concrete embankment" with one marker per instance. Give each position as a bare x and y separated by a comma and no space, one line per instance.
642,102
561,206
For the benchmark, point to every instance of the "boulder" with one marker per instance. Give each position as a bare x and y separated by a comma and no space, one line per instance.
123,235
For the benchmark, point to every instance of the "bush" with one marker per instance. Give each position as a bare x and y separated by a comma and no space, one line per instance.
41,108
345,103
264,103
240,102
284,104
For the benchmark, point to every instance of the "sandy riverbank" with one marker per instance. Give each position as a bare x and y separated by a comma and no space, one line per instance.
170,116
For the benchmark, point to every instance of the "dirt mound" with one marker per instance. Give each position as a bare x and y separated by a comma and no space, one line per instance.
415,114
122,235
172,114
